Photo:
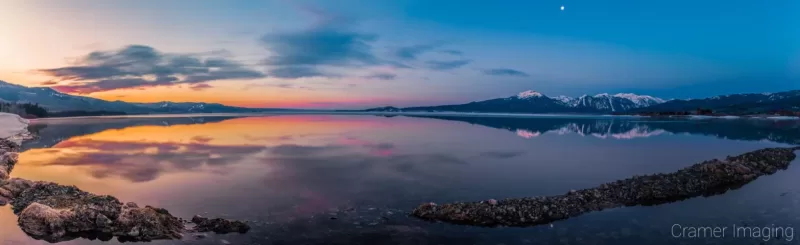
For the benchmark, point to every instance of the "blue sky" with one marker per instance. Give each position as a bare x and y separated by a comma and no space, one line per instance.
352,54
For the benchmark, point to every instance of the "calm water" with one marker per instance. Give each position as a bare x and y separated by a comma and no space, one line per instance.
289,175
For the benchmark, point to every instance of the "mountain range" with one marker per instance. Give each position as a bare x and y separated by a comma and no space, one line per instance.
624,103
534,102
56,101
525,102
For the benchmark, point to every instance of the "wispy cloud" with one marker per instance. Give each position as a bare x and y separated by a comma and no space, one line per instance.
446,65
413,51
292,72
452,52
504,72
140,66
200,87
381,76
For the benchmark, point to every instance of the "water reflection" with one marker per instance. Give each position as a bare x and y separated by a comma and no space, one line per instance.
782,131
289,173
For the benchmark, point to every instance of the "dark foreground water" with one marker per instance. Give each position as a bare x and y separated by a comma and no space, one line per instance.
337,179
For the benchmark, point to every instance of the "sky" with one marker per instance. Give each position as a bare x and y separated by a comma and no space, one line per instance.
358,54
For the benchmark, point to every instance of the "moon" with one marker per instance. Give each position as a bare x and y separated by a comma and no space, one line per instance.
562,7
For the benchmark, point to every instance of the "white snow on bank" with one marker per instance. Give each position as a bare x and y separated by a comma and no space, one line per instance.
12,125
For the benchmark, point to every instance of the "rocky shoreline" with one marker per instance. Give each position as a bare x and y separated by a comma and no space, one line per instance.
55,213
702,179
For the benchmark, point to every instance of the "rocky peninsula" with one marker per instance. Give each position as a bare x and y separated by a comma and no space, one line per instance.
702,179
54,213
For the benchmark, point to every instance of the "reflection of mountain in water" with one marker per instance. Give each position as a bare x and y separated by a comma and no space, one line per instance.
601,129
752,130
54,131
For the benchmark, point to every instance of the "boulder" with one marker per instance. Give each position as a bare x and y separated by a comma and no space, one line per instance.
218,225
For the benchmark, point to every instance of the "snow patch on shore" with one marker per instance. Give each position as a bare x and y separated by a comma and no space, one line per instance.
12,125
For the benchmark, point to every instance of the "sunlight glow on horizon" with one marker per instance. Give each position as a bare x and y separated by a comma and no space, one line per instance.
413,58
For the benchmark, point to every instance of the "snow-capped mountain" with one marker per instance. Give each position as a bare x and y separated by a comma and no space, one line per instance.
55,101
751,103
531,101
613,103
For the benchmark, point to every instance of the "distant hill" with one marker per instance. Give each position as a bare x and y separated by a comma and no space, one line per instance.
535,102
734,104
55,101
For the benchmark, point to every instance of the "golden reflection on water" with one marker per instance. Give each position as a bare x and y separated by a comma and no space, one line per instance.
162,160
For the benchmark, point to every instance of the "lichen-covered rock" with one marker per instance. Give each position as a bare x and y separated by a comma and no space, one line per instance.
146,224
702,179
7,162
218,225
14,187
44,222
55,212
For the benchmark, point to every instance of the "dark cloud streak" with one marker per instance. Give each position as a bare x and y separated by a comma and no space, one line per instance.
140,66
412,52
382,76
446,65
505,72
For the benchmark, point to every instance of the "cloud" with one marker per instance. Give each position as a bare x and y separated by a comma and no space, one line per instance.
382,76
200,87
446,65
412,52
452,52
303,53
505,72
140,66
293,72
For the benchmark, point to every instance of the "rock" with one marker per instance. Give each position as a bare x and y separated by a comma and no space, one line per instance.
43,222
218,225
3,201
702,179
5,193
148,223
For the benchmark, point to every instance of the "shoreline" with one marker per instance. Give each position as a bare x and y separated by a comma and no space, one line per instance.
447,114
706,178
54,213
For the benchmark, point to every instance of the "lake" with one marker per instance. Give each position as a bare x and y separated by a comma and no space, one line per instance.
352,179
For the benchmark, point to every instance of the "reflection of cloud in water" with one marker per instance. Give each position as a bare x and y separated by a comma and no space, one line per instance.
377,149
300,150
142,161
501,154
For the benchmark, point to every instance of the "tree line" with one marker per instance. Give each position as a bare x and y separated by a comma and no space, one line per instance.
26,110
31,110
